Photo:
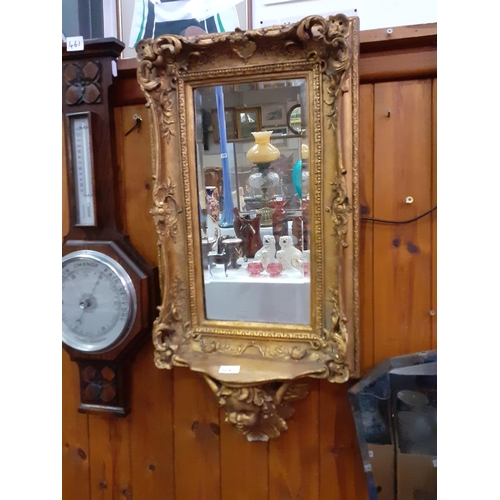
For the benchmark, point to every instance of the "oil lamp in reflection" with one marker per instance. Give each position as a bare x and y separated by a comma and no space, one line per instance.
261,154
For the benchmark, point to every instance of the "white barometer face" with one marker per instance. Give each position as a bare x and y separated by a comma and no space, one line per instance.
99,302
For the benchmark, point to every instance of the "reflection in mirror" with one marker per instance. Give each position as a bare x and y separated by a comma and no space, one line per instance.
253,185
294,120
248,121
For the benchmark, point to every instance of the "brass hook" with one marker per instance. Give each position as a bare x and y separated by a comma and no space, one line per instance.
137,125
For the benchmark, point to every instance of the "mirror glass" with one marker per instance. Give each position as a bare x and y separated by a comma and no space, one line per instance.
295,119
253,187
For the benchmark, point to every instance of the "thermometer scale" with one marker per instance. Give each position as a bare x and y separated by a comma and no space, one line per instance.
81,156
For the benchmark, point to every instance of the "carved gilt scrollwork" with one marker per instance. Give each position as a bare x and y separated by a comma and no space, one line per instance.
322,52
258,412
165,209
340,211
337,369
165,58
168,328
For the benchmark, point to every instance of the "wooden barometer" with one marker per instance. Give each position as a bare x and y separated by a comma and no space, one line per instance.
109,292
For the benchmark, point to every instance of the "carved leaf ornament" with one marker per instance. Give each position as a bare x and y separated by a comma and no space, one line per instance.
323,48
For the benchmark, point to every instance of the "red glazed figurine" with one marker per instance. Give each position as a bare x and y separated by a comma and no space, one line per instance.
280,220
248,230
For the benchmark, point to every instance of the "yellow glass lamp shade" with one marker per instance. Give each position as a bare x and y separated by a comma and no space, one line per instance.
263,151
305,152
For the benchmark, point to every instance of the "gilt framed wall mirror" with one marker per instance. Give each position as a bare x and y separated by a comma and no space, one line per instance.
258,232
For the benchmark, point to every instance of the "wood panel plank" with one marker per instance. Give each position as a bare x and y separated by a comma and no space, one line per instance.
151,428
134,182
244,465
398,64
197,430
366,230
416,33
75,444
434,215
341,467
110,468
126,90
402,168
294,456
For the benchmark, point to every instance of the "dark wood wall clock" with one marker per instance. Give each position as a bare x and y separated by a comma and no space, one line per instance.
109,292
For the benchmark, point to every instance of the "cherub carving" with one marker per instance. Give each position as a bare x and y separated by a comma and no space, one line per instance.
258,411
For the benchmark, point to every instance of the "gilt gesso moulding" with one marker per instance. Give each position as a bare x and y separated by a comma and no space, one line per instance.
270,361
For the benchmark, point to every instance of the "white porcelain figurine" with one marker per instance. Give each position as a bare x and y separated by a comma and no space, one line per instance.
267,253
280,257
289,252
302,264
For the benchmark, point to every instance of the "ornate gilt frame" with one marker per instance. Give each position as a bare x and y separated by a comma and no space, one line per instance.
271,357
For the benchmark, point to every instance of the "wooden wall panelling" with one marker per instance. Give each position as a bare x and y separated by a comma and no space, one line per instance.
126,90
134,180
402,253
75,451
434,215
341,468
294,456
366,232
401,36
151,391
151,429
398,64
197,438
244,464
110,464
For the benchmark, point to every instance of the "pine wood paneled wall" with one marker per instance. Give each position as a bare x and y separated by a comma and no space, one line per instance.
175,443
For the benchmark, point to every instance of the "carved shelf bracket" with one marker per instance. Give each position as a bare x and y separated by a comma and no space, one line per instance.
259,412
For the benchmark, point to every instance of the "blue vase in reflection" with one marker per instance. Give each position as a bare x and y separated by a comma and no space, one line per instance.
226,218
297,178
300,174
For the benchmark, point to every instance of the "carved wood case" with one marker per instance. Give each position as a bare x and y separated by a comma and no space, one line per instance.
271,356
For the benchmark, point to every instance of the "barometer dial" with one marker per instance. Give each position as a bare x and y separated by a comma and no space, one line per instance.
99,302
